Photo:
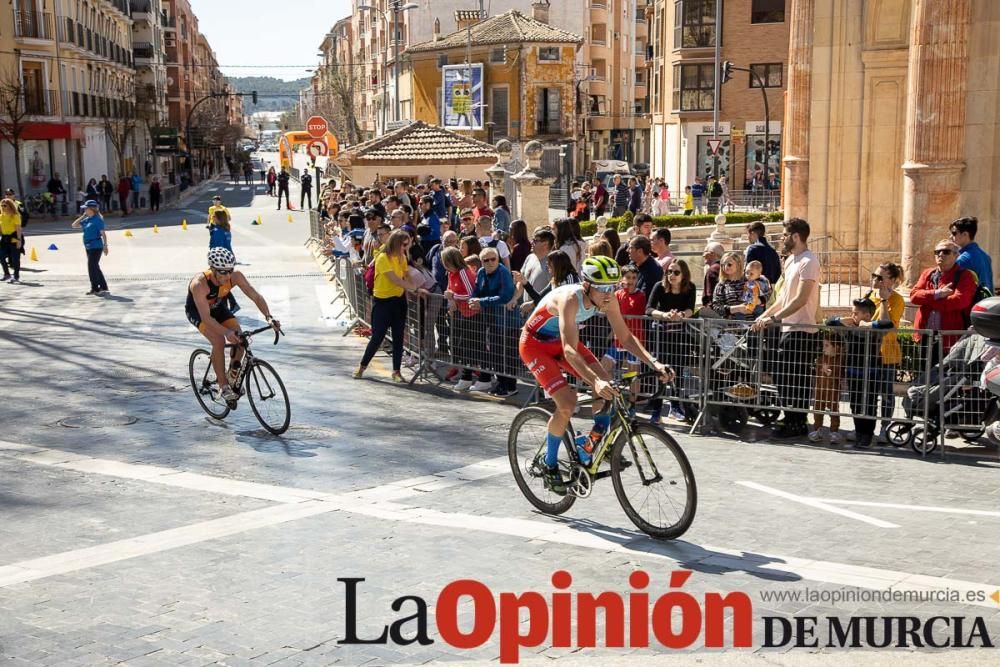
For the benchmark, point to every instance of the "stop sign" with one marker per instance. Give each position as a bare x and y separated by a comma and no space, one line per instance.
316,127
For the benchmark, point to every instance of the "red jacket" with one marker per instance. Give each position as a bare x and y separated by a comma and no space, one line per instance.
952,309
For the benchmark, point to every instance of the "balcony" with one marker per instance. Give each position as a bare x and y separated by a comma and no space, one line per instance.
40,102
141,10
32,25
168,22
143,52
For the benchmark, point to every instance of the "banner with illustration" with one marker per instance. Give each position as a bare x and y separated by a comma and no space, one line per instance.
462,107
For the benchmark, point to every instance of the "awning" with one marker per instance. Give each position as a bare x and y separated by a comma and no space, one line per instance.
43,131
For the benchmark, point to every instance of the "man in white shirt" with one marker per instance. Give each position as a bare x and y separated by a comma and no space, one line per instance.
798,305
484,230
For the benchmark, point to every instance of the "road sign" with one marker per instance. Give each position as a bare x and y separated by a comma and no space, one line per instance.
316,126
713,145
317,148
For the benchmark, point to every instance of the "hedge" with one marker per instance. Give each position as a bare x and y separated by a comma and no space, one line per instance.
589,227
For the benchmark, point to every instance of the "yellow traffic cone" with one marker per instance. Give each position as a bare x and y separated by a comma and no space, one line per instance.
128,233
184,225
289,217
259,221
156,230
34,254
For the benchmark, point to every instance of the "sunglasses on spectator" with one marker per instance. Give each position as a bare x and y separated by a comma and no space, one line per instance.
491,259
675,272
942,251
876,276
605,289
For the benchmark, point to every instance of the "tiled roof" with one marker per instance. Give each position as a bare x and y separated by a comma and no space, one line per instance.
512,27
420,141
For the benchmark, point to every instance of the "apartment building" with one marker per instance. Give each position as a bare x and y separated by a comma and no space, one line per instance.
70,65
753,36
150,20
180,38
614,119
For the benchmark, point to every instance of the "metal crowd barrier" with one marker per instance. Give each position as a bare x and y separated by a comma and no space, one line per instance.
726,375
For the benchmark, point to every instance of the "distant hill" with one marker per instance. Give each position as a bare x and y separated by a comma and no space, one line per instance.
273,94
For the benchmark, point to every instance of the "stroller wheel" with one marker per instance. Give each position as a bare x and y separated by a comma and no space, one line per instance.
973,436
733,419
899,434
766,416
924,440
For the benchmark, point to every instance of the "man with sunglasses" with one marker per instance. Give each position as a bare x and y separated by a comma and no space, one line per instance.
550,344
944,294
210,307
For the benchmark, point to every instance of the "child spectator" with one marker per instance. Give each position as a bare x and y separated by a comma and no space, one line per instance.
829,373
220,234
863,367
467,338
632,302
688,201
756,290
473,262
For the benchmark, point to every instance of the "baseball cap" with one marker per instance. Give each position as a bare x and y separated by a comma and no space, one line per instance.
90,203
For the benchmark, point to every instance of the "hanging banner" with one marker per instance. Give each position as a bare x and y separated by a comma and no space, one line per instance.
462,107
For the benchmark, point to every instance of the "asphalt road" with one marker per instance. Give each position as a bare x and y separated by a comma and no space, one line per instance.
137,531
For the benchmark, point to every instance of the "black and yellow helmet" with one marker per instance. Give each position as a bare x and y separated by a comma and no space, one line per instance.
601,270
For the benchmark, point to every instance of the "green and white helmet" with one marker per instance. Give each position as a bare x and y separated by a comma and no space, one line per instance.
601,270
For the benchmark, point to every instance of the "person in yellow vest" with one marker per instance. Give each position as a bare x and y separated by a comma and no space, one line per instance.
11,241
217,206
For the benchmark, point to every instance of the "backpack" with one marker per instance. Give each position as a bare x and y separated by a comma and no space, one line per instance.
716,190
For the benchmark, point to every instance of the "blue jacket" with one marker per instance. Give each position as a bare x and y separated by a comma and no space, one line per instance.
768,257
495,290
136,182
440,203
437,267
974,258
434,223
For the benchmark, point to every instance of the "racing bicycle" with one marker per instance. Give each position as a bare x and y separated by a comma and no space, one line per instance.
652,477
256,378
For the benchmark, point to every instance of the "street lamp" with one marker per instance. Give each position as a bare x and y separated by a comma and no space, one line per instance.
397,6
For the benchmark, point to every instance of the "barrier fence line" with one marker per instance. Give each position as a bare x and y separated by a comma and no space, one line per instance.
914,384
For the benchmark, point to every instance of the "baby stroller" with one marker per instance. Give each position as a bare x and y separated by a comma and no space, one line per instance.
952,400
733,372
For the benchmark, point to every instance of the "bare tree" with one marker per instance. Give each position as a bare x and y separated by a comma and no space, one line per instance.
338,103
120,131
14,112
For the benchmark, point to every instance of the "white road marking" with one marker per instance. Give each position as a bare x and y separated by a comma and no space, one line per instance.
913,508
244,188
325,294
813,502
301,503
230,189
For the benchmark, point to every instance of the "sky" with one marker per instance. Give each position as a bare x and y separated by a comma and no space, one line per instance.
273,33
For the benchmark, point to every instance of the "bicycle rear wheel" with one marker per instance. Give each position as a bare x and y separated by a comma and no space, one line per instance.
268,398
205,385
526,451
654,482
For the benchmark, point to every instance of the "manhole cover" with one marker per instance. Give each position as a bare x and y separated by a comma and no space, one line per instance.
97,421
295,433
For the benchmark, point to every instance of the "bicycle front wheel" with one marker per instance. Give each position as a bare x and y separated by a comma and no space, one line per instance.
526,451
654,482
205,384
268,398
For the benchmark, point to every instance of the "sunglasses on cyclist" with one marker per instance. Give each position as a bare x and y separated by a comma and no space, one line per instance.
605,289
223,272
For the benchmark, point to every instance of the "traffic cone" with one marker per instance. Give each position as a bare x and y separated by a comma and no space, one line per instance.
259,222
255,222
184,225
34,254
52,246
156,230
128,233
289,217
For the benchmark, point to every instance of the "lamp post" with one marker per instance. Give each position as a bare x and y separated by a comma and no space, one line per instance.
396,7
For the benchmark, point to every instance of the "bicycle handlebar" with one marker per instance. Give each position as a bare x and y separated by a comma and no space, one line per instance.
244,335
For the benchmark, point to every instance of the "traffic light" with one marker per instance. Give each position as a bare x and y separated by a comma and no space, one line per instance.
253,96
727,71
